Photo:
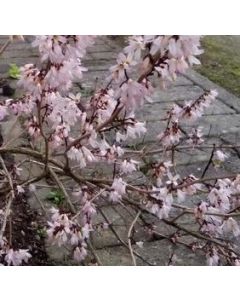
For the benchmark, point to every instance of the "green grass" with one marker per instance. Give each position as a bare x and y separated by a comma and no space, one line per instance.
221,61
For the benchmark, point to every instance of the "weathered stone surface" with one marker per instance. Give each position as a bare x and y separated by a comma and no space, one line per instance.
19,53
103,55
59,255
5,63
217,125
178,93
156,253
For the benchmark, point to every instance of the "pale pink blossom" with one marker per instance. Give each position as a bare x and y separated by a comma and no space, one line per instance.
114,196
195,137
231,225
118,189
76,237
86,229
89,208
213,258
82,155
103,103
3,112
133,94
161,207
17,257
127,167
219,197
123,64
170,136
20,189
181,195
237,262
133,131
139,244
80,253
119,186
221,156
201,209
135,47
32,188
191,187
172,180
136,130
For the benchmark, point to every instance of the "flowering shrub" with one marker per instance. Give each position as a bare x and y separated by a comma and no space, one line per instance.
67,134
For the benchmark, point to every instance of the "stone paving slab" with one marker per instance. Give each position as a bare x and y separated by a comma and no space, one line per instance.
220,123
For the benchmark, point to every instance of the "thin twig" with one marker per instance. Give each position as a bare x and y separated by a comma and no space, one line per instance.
188,210
209,162
143,152
179,227
119,238
129,237
90,246
11,197
91,200
40,202
62,188
4,47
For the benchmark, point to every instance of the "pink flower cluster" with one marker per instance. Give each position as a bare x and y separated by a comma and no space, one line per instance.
91,131
191,111
13,257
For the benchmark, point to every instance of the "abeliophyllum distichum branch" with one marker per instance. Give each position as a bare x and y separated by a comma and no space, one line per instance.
69,134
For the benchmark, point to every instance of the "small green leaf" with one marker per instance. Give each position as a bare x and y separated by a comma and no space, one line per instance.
14,71
56,197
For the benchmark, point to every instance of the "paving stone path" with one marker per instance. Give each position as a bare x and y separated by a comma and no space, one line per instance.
221,123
